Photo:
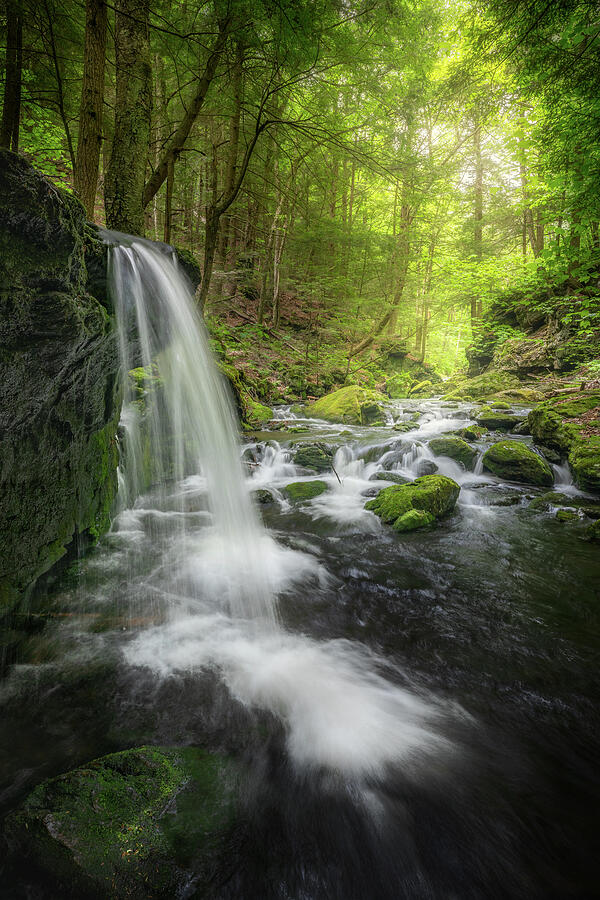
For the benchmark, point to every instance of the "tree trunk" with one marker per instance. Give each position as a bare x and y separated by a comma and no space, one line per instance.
478,213
11,111
90,110
124,188
232,151
169,202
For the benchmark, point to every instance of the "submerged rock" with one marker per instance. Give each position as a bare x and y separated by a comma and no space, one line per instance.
300,491
515,461
314,456
454,448
395,477
59,394
352,405
410,506
141,823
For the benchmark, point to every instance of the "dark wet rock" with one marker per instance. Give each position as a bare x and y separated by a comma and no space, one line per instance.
514,461
301,491
59,397
263,496
418,504
592,532
143,823
522,429
426,467
549,453
471,433
455,449
552,499
314,456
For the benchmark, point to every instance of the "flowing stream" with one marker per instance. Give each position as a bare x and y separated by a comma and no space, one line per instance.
417,713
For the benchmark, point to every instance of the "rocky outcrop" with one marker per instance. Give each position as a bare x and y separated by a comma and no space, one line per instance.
514,461
140,823
571,425
58,378
407,507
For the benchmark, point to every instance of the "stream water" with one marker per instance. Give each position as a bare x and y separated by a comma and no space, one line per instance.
417,714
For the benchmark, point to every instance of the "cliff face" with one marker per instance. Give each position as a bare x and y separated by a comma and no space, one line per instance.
59,403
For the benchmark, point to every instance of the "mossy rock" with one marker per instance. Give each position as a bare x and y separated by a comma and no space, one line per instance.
454,448
314,456
301,491
499,404
140,823
472,433
566,515
592,532
422,389
483,386
398,386
351,405
263,496
584,462
257,413
514,461
432,497
394,477
522,396
496,420
404,426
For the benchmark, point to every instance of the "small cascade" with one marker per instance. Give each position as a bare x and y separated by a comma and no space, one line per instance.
271,462
478,468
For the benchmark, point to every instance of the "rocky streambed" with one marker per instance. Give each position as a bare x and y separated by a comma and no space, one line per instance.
423,723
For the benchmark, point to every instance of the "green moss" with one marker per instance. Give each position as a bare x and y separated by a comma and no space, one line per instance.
567,515
515,461
482,386
413,519
422,389
352,405
496,421
398,386
524,396
300,491
472,432
584,461
127,823
455,449
435,495
499,404
257,413
592,532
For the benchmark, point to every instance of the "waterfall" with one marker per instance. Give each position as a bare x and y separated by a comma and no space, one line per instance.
187,426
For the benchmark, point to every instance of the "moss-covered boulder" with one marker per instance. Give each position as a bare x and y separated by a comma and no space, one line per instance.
417,504
59,391
352,405
514,461
316,456
483,386
257,413
454,448
301,491
496,420
522,396
569,425
398,386
141,823
472,432
394,477
422,389
566,515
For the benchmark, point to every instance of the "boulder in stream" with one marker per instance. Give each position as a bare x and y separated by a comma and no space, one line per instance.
514,461
497,420
407,507
141,823
314,456
352,405
300,491
454,448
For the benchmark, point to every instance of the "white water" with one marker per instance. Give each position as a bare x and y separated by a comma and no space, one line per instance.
215,571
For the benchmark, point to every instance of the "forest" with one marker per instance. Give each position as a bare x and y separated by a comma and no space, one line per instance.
299,449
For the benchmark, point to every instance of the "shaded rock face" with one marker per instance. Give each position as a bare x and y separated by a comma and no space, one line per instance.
58,378
140,823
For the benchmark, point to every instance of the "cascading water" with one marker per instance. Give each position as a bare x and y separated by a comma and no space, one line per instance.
220,579
188,424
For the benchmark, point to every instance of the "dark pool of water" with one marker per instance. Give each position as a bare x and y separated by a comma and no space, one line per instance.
495,612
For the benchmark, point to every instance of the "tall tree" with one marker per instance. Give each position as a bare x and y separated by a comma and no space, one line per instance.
124,186
11,111
90,111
